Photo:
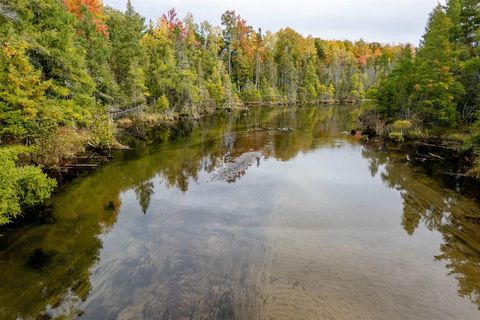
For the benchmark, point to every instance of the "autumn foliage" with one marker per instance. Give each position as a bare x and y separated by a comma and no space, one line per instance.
61,75
174,24
93,7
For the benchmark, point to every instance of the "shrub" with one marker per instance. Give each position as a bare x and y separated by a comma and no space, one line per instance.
102,132
396,136
216,92
20,186
270,94
401,129
162,103
402,125
250,93
52,149
372,122
475,170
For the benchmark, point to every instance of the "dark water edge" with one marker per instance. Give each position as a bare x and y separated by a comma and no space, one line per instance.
447,167
273,214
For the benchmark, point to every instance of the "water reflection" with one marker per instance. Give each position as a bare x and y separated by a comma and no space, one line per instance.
158,233
144,192
424,201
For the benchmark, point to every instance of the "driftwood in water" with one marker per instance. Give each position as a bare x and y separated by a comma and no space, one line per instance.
104,158
284,103
81,165
440,146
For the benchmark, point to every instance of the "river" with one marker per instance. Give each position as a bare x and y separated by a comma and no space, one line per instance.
272,214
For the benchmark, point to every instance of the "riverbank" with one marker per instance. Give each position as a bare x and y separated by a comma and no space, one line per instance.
136,125
447,159
452,150
444,157
445,163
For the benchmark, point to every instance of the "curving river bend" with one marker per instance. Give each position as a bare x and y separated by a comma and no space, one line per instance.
274,214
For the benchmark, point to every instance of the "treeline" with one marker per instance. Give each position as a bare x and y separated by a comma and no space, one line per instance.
66,64
437,87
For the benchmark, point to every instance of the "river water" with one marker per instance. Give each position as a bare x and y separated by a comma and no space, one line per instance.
272,214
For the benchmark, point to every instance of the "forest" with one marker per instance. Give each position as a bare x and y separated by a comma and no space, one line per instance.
67,65
434,90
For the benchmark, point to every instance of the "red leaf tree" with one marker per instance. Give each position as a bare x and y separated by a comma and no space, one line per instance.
94,7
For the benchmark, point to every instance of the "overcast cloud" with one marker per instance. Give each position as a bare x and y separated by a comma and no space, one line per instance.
391,21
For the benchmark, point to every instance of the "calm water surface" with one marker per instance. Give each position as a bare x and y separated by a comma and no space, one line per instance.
275,214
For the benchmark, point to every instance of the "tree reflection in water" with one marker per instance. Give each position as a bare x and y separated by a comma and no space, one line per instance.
46,263
456,217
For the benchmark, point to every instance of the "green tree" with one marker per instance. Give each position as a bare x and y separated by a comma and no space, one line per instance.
97,55
436,91
393,93
127,56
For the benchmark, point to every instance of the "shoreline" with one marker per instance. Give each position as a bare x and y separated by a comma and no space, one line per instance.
419,151
426,154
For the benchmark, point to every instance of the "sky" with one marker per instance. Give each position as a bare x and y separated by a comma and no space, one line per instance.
386,21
